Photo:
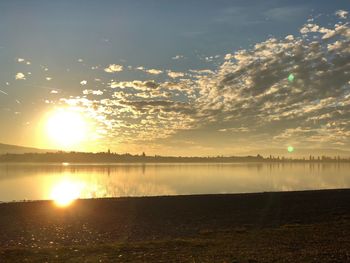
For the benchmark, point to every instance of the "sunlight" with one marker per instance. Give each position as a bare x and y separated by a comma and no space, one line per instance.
66,192
66,127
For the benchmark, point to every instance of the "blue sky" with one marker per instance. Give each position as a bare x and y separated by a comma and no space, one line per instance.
59,44
147,32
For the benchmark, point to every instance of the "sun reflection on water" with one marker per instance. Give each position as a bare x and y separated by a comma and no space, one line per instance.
66,192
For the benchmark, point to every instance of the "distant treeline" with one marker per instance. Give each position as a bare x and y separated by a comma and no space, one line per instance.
108,157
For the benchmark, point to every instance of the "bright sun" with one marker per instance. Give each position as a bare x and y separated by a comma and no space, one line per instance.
66,127
66,192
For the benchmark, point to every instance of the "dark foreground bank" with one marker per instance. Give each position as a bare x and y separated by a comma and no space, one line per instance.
310,226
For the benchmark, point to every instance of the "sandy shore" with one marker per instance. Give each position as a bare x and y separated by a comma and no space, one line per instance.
308,226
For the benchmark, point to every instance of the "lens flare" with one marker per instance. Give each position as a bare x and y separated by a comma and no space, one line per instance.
290,149
291,77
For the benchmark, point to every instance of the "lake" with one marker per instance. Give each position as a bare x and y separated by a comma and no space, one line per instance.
39,181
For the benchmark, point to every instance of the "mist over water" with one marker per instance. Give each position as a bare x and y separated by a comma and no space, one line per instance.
37,181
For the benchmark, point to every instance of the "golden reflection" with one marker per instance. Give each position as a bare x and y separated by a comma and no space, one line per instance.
66,192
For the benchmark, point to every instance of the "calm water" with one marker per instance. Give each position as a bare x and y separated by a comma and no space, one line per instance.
38,181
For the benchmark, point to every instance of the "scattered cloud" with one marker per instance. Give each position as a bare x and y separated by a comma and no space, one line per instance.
136,85
150,71
202,71
20,76
228,56
173,74
24,61
154,71
249,98
113,68
178,57
234,129
211,58
93,92
342,14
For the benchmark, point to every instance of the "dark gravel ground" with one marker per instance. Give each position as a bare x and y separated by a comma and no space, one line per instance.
308,226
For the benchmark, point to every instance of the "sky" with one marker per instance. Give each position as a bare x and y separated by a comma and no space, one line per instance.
175,77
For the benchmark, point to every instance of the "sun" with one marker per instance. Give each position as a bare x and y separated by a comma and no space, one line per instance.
66,127
65,193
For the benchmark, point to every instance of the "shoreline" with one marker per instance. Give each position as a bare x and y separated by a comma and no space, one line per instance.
296,226
182,195
109,157
176,162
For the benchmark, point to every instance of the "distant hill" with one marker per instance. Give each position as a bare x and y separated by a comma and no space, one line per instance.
300,152
8,148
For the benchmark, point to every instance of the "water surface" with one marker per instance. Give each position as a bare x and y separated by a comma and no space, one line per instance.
37,181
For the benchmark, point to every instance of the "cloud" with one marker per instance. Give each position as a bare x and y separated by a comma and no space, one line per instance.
173,74
136,85
20,76
178,57
154,71
252,87
22,60
248,99
234,129
202,71
287,13
211,58
150,71
93,92
83,82
228,56
113,68
342,14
